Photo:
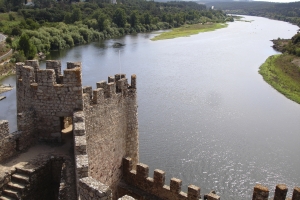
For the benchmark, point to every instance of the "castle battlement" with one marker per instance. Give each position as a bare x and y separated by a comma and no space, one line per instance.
115,85
50,76
156,186
105,137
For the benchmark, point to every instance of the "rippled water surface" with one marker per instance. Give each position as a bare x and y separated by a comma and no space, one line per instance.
205,114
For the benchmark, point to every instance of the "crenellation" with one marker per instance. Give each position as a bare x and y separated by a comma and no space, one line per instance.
111,79
72,77
19,66
105,134
4,130
193,192
142,171
260,192
212,196
156,186
87,89
98,96
110,90
159,178
133,81
56,66
296,193
102,84
28,75
280,192
35,65
46,77
72,65
122,86
175,185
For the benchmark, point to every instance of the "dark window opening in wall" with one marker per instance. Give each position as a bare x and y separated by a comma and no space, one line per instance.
66,125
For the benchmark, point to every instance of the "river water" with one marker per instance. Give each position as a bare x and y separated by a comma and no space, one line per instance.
205,114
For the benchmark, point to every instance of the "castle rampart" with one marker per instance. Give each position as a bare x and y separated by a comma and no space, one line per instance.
139,178
105,138
111,128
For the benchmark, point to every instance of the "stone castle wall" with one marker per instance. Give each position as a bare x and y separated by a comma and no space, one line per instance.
111,128
140,179
49,94
7,141
105,132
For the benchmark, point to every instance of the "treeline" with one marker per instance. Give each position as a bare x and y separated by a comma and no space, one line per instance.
53,25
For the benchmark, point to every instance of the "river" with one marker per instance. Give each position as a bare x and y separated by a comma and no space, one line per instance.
205,114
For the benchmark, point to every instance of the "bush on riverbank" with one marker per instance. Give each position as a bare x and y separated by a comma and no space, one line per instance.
282,74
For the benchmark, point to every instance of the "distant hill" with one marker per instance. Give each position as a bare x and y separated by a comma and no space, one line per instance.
289,12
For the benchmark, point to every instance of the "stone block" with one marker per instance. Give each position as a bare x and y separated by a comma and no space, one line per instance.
280,192
193,192
260,193
296,193
175,185
142,171
159,178
212,196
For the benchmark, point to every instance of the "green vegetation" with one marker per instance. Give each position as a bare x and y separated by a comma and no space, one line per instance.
283,73
188,30
55,25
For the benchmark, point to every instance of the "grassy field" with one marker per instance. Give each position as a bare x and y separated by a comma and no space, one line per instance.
282,74
188,30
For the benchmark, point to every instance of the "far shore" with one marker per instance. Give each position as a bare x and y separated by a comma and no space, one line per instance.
189,29
282,73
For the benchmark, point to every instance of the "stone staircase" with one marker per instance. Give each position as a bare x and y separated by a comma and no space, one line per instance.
17,186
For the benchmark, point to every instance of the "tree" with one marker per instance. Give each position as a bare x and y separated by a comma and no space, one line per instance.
147,18
16,31
11,17
103,22
68,18
76,15
134,19
119,18
27,47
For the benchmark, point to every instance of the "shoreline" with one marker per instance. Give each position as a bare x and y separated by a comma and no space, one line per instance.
283,73
188,30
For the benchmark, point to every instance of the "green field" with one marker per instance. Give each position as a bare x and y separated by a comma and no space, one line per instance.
282,74
188,30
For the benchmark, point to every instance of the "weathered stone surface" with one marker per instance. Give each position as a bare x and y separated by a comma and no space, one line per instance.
126,197
92,189
4,130
51,95
260,192
280,192
296,193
